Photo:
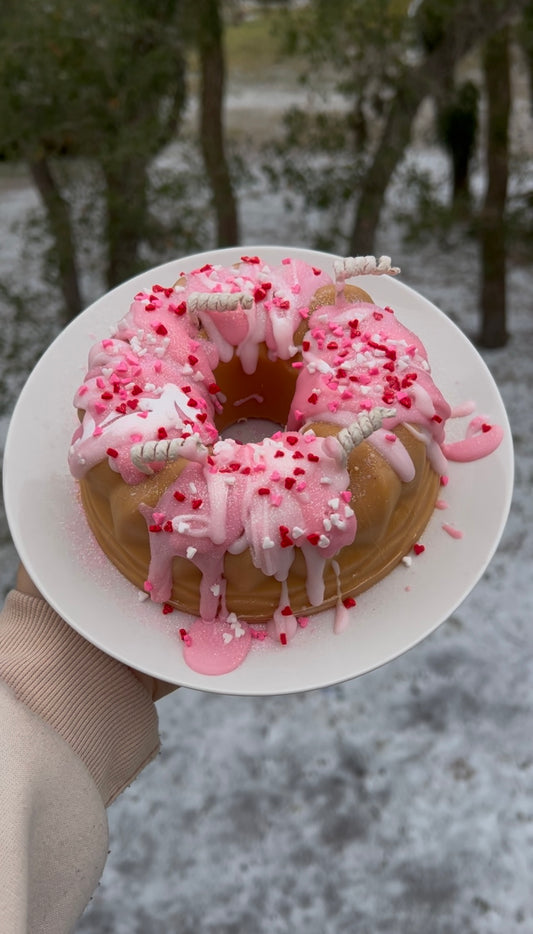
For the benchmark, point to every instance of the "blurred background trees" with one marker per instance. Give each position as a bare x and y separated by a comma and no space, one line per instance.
95,84
117,110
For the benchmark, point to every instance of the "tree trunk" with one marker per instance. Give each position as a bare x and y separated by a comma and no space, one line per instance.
390,150
59,223
126,216
212,78
496,68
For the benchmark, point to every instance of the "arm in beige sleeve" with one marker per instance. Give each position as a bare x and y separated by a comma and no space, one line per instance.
76,727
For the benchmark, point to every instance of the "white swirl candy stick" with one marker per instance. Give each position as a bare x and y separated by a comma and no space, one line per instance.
142,455
219,301
364,426
361,266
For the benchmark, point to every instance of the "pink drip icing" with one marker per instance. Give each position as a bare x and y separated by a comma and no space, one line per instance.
213,648
481,440
342,618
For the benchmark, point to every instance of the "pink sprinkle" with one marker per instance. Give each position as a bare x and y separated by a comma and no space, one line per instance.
100,382
107,343
366,404
275,475
158,366
257,634
286,261
444,481
390,437
303,312
298,415
297,365
82,390
283,638
301,486
296,289
275,499
346,496
303,621
452,531
148,586
97,432
136,439
441,504
100,407
187,639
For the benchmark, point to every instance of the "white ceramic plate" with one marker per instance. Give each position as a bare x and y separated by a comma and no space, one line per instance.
52,537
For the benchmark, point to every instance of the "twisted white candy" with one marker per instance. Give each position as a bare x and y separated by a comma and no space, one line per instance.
219,301
364,426
168,449
363,266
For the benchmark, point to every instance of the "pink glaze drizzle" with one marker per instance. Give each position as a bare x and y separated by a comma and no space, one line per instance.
452,531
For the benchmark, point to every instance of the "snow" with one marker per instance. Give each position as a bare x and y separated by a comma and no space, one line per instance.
397,803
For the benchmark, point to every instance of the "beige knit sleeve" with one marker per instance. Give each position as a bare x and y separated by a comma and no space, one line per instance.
76,727
94,702
53,826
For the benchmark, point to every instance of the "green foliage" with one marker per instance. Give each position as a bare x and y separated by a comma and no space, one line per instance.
89,78
357,50
424,210
100,84
361,44
315,164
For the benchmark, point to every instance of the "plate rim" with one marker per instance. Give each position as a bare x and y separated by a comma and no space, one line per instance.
219,684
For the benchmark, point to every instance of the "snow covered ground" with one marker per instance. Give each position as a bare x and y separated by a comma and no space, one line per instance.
398,803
